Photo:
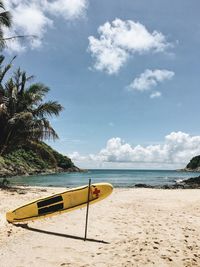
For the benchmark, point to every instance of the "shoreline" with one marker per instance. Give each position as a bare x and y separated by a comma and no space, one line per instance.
179,182
190,183
46,172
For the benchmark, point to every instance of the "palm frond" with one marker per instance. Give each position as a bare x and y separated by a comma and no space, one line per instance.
1,59
6,68
5,19
42,129
21,79
38,89
50,108
2,5
35,93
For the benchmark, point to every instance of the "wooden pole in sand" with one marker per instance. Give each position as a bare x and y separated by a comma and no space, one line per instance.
87,210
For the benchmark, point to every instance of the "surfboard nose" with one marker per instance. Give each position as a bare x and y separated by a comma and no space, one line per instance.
107,189
110,186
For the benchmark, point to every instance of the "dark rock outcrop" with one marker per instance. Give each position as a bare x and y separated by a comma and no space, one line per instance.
191,183
193,165
143,186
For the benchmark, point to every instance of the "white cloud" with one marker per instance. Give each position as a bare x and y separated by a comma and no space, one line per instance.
35,17
69,9
176,150
150,79
155,95
119,40
77,157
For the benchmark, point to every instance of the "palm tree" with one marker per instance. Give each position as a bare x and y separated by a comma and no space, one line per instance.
23,114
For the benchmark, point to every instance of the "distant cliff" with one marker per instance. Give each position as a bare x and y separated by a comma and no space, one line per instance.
193,165
34,159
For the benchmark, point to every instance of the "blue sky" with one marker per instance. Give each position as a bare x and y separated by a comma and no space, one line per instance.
126,72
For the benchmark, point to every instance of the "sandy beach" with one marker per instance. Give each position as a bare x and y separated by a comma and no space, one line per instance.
132,227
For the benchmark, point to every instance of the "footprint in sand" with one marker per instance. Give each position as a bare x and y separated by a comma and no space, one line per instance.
165,257
9,232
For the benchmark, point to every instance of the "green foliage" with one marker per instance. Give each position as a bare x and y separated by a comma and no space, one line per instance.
27,159
2,160
43,152
61,160
194,163
35,157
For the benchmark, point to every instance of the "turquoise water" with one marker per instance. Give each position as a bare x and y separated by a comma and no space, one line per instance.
119,178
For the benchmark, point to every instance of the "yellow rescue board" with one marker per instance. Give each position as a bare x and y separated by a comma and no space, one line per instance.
66,201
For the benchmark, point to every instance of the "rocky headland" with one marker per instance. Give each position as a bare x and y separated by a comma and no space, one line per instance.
35,159
193,165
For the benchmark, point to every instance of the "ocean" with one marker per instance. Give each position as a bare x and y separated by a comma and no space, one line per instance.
118,178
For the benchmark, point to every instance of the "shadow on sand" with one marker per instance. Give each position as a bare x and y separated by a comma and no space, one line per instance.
25,226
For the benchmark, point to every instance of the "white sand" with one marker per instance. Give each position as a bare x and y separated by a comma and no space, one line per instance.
138,227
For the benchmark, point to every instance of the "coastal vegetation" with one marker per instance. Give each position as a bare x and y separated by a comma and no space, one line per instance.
34,159
24,125
25,120
194,164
